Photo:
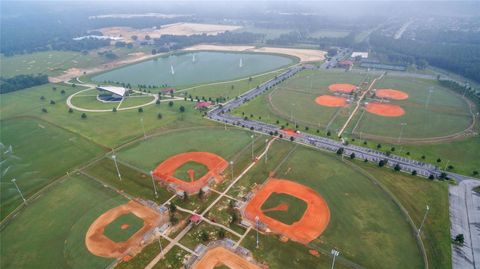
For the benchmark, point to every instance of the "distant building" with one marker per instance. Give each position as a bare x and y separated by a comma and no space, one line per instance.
345,64
111,93
195,219
168,90
203,104
363,55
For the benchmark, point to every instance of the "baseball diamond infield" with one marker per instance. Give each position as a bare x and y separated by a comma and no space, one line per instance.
342,87
331,101
215,164
386,110
219,256
99,244
391,94
311,225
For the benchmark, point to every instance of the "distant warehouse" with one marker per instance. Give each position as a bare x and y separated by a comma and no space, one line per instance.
111,93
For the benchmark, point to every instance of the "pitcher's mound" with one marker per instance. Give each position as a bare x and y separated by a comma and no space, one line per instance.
386,110
124,226
391,94
342,87
331,101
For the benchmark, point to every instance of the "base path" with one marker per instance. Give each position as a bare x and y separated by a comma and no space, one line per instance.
311,225
465,219
100,245
215,164
219,256
331,101
391,94
386,110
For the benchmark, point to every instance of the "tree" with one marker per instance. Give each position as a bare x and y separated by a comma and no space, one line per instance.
84,116
44,110
221,234
397,167
173,219
423,157
140,109
459,239
42,97
340,151
292,138
392,149
182,109
439,160
450,167
278,122
443,176
200,194
170,103
234,218
475,173
185,196
159,116
414,172
329,133
431,177
70,110
352,156
381,163
379,146
54,88
52,102
204,236
172,207
157,102
62,92
114,109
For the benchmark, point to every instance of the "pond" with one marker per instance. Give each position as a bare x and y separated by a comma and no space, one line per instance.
195,68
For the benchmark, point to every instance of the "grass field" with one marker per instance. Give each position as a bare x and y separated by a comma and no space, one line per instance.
34,166
198,168
363,217
148,253
54,227
115,232
296,208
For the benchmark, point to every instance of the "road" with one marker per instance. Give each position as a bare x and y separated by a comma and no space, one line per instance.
221,114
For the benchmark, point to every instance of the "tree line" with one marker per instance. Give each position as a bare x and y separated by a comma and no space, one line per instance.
21,82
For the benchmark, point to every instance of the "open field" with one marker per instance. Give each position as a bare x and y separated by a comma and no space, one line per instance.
285,208
58,221
34,166
182,28
123,227
148,253
305,55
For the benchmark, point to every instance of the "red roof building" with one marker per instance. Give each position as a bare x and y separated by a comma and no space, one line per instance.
203,104
195,219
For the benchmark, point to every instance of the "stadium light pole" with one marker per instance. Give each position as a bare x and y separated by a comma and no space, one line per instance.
403,124
14,181
266,150
114,157
335,253
256,222
160,244
231,166
423,221
153,183
143,128
252,146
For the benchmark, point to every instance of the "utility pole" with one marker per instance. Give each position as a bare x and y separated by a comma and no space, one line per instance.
403,124
231,166
114,157
256,222
423,221
335,253
14,181
154,186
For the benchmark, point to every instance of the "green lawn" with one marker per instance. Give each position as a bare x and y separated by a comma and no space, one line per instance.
41,153
477,189
135,183
196,235
173,259
198,168
415,193
136,101
295,211
117,233
148,253
53,227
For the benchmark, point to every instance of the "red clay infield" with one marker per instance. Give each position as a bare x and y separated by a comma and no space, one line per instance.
100,245
331,101
387,110
313,222
215,164
219,256
391,94
342,87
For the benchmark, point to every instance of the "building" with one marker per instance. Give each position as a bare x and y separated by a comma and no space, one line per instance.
111,93
363,55
345,64
203,104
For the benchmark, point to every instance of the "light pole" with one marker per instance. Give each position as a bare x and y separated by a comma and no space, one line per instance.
403,124
143,128
266,150
427,102
423,221
160,244
256,222
335,253
252,147
153,182
114,157
231,166
14,181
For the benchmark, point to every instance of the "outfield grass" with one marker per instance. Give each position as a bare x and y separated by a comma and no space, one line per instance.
135,183
415,193
42,152
147,154
53,227
295,211
136,101
198,168
365,225
115,232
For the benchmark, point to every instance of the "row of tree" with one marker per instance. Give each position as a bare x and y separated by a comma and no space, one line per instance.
21,82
